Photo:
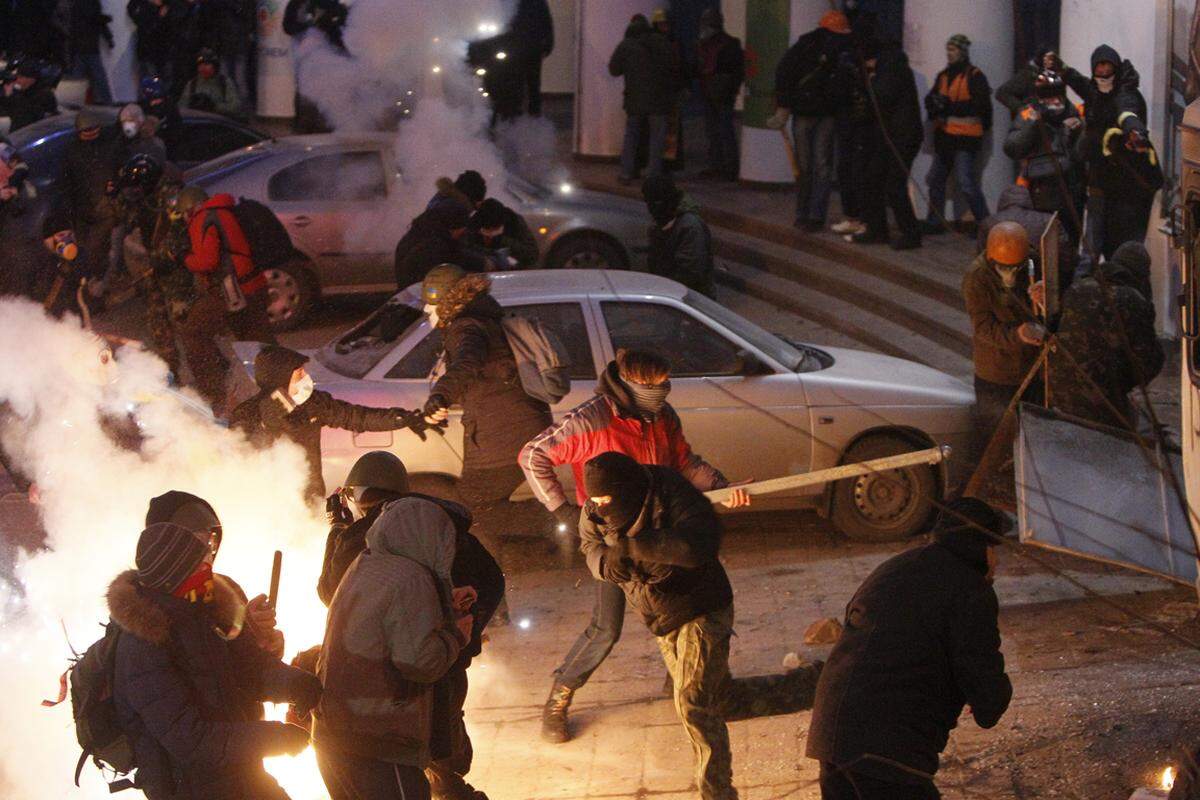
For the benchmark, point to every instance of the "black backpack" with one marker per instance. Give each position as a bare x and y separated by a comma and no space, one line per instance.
96,727
270,244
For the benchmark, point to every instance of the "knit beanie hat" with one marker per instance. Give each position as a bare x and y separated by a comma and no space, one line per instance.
472,184
274,365
169,554
618,476
958,528
960,41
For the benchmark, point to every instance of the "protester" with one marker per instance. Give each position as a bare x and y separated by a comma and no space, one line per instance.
396,626
496,233
155,21
89,163
88,25
29,96
802,87
1005,339
288,406
1019,90
1016,206
57,288
188,689
1123,170
649,531
680,242
498,415
435,237
721,69
646,60
232,295
231,35
920,642
1106,344
629,415
376,479
960,107
532,28
854,118
209,90
157,104
138,135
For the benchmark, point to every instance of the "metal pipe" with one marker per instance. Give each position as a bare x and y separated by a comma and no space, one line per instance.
934,455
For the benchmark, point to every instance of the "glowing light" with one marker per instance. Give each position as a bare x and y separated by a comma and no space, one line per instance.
543,231
437,39
436,69
562,526
489,27
566,188
481,72
485,94
524,624
1168,778
501,55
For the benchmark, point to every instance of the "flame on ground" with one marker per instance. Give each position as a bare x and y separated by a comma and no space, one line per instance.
1168,778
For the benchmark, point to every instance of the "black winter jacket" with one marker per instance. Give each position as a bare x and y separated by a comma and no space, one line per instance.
803,75
88,25
425,245
156,31
920,641
191,701
517,239
28,106
498,416
683,252
651,69
721,68
667,562
86,170
533,26
264,419
1015,93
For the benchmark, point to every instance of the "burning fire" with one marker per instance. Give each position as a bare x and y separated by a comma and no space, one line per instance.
1168,778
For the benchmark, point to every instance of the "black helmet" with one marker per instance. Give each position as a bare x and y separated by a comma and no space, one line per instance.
379,469
140,172
206,56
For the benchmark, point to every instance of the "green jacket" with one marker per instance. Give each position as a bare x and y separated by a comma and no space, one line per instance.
996,314
222,94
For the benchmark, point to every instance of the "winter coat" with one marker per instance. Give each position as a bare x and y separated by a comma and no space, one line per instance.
1047,157
170,123
996,313
86,170
473,566
1018,91
425,245
803,75
218,94
666,562
1091,371
88,25
389,636
498,417
682,251
721,67
517,239
1108,118
610,421
190,701
533,27
205,258
28,106
895,91
156,31
228,27
920,642
1016,206
647,60
960,104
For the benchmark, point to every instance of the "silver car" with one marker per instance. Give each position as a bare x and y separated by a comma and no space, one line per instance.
337,195
754,404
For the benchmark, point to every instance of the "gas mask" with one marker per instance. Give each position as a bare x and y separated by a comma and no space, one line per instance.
64,245
129,129
432,312
1008,273
1105,85
302,390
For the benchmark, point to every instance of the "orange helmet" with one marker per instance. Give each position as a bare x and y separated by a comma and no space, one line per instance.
1008,244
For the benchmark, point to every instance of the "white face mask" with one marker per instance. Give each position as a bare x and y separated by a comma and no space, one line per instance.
431,311
302,390
130,129
1105,85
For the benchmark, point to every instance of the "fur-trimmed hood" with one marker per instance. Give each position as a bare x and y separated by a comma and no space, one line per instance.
145,614
446,190
469,289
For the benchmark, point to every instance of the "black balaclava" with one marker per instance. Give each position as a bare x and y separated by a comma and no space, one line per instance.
662,198
185,510
618,476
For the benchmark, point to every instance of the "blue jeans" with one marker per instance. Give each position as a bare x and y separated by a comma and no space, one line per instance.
722,139
597,640
93,69
814,140
634,125
962,162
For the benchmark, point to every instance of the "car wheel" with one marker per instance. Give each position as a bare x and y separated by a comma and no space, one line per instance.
289,294
587,252
885,506
439,486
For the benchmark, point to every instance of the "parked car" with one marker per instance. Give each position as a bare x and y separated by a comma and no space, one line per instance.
340,197
753,403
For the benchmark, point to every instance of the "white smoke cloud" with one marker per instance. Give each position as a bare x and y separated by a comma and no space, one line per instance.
94,496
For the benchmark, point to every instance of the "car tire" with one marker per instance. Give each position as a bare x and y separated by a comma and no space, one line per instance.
290,294
440,486
889,506
587,251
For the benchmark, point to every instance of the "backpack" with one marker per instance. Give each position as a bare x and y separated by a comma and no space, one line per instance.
96,725
270,243
543,363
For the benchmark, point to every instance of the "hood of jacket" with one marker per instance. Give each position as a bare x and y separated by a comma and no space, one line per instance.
638,26
274,365
147,614
1107,53
1015,196
1129,266
447,192
611,386
468,297
418,530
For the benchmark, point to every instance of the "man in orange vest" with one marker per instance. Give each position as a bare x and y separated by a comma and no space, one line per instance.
960,106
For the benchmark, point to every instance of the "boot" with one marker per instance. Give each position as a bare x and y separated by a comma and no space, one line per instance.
554,714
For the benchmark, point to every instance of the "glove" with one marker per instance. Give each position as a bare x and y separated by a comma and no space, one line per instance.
307,695
434,404
286,740
336,511
568,519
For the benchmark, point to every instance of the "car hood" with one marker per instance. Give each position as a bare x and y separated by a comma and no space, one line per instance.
858,377
586,200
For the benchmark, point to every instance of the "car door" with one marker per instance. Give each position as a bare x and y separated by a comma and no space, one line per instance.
743,415
334,205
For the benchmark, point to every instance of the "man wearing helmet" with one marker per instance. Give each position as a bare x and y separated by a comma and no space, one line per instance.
88,167
209,90
1006,338
155,99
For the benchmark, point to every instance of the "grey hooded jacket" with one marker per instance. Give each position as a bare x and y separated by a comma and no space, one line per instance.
389,636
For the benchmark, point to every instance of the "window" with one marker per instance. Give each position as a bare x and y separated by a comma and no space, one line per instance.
346,177
692,347
204,140
565,320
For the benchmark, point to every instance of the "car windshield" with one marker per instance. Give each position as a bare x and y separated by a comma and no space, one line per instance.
224,165
356,352
768,343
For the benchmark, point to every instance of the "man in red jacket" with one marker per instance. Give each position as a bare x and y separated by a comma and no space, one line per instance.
628,415
219,251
